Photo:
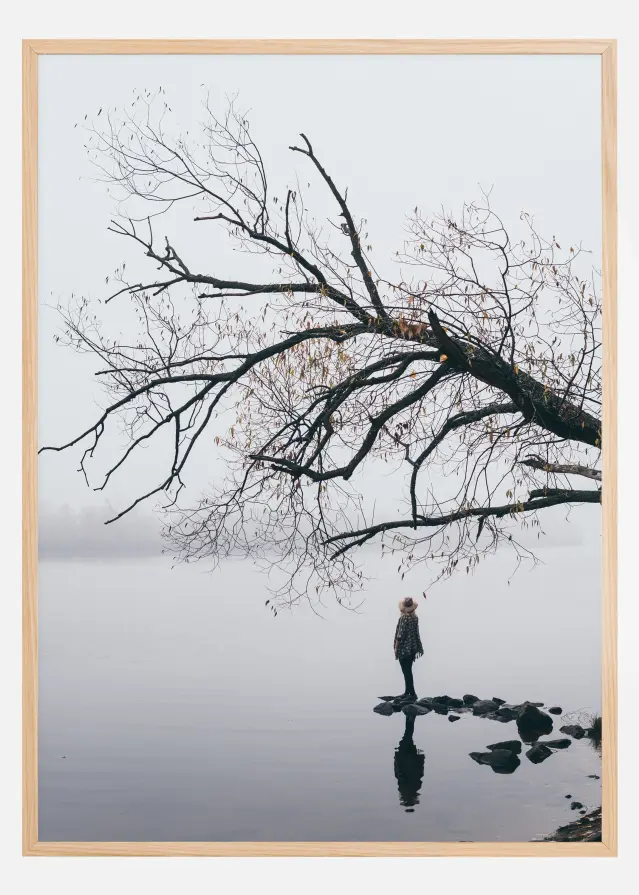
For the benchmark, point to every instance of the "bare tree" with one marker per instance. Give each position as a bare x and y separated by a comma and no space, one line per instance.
475,372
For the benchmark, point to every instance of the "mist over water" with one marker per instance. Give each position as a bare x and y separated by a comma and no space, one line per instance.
174,706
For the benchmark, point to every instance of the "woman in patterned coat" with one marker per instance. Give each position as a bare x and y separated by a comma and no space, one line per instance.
408,645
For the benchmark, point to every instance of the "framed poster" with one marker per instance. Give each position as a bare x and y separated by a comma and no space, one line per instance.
319,360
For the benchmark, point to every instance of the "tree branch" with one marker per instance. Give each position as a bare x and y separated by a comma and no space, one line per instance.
296,469
562,468
356,248
538,500
537,403
454,422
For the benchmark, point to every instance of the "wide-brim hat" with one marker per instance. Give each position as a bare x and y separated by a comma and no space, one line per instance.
407,609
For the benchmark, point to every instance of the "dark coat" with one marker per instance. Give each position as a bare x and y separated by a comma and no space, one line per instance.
407,641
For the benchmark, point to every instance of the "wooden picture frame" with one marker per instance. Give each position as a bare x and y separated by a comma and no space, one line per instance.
32,49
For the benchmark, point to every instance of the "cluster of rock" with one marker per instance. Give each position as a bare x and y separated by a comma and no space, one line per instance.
527,713
586,829
502,757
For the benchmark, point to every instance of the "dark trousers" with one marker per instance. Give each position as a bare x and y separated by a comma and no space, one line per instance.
406,664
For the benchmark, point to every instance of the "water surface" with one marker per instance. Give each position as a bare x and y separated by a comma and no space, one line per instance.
174,706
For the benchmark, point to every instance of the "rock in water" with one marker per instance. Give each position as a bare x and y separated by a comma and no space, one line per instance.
538,753
454,718
416,709
510,745
484,706
502,761
490,757
573,730
440,709
555,710
508,712
384,708
448,700
387,698
575,805
469,699
532,724
498,700
401,701
556,744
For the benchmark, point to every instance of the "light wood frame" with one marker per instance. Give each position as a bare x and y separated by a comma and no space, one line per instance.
606,49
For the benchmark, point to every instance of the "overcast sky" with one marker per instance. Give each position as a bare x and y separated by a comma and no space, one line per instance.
398,131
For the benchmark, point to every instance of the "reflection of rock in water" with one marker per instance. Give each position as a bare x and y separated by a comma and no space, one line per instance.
502,757
409,767
532,724
502,761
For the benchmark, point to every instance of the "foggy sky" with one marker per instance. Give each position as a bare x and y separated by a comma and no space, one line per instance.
398,131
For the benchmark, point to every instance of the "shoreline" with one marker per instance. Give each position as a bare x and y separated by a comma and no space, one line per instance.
587,828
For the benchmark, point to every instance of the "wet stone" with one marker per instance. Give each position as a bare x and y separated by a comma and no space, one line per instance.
484,707
508,712
502,761
415,709
576,731
532,724
510,745
448,700
538,753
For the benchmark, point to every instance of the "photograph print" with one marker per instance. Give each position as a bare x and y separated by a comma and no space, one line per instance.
320,440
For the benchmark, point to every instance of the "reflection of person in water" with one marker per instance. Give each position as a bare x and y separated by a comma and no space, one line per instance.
408,645
409,767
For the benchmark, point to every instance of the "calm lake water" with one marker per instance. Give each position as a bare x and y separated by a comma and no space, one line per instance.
173,706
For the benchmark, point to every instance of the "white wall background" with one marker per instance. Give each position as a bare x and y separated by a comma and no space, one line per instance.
464,18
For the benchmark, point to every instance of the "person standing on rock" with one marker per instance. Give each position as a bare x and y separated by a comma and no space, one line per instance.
408,645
